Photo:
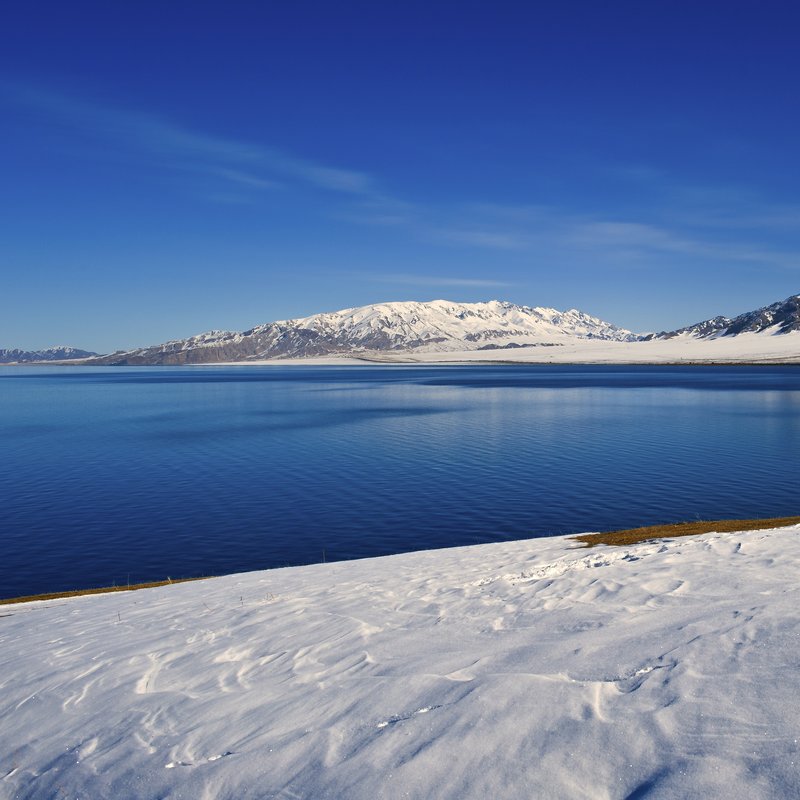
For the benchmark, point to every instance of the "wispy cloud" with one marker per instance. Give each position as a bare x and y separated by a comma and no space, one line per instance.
243,178
725,234
548,232
644,239
497,240
720,224
339,180
735,211
432,280
181,148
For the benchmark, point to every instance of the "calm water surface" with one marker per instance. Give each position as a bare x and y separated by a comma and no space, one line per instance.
109,475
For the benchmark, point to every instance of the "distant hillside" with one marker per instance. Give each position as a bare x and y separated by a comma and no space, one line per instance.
16,356
436,326
780,317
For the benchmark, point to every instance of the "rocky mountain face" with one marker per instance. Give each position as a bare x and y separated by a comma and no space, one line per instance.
438,325
783,317
16,356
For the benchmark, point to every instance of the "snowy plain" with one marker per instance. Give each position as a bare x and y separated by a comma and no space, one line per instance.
529,669
766,347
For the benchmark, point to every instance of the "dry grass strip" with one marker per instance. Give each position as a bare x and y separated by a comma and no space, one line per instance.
102,590
635,535
616,538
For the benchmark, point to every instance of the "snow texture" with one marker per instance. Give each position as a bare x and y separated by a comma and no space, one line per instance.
535,669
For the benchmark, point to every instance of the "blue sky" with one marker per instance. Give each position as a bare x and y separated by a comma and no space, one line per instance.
169,168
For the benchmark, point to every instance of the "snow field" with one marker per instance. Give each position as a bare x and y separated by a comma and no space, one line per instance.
746,348
534,669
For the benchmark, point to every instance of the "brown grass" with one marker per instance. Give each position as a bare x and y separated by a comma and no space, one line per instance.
635,535
102,590
614,538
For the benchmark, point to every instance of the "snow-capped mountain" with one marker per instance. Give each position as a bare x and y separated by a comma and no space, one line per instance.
780,317
436,326
62,353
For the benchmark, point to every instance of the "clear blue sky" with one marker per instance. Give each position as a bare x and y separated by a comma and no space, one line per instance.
168,168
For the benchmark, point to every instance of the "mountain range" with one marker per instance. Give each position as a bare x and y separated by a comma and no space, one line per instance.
783,317
62,353
438,326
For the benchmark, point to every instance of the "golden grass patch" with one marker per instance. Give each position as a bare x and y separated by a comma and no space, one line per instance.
102,590
635,535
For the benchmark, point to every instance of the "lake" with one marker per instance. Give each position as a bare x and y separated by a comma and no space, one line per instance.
115,475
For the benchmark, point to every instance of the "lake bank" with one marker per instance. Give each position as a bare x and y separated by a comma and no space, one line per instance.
117,475
532,668
768,348
620,538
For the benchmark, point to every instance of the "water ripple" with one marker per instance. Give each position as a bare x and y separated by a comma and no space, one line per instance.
154,472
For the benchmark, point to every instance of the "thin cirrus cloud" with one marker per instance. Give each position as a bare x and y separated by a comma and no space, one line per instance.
640,239
245,168
243,178
238,162
621,242
432,280
497,240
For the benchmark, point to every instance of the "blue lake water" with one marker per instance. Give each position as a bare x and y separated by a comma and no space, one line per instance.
110,475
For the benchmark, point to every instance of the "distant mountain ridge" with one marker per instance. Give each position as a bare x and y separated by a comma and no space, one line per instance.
783,316
437,326
16,356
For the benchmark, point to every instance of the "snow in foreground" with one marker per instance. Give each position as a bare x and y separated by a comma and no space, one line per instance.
529,669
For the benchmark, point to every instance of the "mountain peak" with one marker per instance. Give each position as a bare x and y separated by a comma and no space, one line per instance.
777,318
400,326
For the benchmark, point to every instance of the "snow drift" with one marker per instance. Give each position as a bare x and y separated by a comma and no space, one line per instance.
666,669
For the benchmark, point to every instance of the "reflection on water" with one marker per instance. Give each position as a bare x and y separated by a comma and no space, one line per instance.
204,470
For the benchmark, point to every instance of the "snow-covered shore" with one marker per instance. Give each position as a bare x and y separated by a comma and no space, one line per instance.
533,669
746,348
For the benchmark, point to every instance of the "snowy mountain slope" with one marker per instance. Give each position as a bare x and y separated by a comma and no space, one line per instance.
62,353
530,669
780,317
437,326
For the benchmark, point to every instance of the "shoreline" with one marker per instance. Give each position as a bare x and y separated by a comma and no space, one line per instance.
533,668
619,538
745,349
793,361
